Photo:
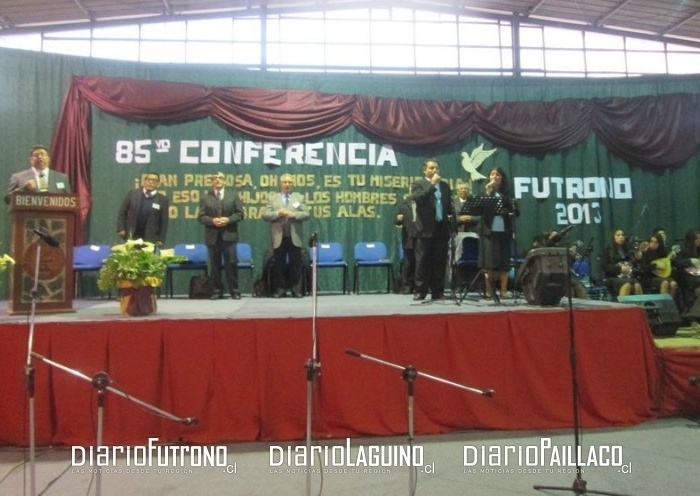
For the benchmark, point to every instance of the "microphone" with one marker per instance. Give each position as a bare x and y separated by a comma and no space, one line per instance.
560,235
694,380
190,421
50,240
488,392
313,239
353,353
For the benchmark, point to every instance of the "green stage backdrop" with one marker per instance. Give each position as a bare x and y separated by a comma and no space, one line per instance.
351,181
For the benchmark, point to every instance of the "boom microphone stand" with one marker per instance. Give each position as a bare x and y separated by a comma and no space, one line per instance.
101,381
409,374
312,364
579,485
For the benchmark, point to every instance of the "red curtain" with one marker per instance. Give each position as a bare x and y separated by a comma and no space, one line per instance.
246,380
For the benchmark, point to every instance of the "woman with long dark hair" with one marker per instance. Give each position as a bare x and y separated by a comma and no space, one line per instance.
687,263
497,227
618,265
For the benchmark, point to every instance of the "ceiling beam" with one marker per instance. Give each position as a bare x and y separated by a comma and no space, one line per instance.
168,8
534,8
672,27
261,10
85,11
601,20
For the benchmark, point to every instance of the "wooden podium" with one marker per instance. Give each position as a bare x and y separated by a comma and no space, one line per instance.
53,214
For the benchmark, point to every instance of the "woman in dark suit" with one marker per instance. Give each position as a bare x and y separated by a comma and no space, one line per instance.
497,227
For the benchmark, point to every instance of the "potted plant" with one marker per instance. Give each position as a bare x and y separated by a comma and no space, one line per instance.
135,269
4,260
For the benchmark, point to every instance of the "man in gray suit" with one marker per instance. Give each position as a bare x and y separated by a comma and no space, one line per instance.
144,213
38,178
220,210
285,211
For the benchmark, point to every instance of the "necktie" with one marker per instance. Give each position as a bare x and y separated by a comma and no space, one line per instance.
218,195
438,204
286,200
43,186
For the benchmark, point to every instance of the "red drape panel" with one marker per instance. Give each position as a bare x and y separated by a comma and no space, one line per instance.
245,380
282,115
680,397
654,131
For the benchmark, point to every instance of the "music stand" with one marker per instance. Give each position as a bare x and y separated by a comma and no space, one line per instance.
480,205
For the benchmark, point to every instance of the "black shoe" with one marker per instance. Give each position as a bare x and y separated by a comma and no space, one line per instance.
278,294
419,296
215,296
296,294
437,297
236,295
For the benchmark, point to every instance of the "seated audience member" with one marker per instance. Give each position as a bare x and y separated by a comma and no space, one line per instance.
687,263
655,267
618,266
466,224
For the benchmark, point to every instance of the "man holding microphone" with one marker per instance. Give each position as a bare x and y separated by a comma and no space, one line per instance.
434,213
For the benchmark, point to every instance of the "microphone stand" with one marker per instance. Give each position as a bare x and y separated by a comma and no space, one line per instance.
29,374
102,382
312,364
579,485
409,374
514,245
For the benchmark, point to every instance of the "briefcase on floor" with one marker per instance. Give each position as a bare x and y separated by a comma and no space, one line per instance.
201,287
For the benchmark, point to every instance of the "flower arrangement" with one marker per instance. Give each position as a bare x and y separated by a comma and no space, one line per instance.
4,260
135,263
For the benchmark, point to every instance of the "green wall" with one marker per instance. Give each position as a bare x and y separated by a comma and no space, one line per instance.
351,201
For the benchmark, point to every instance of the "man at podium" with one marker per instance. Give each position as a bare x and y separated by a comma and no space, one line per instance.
38,178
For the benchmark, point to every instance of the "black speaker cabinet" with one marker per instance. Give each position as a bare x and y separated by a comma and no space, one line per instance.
661,311
544,276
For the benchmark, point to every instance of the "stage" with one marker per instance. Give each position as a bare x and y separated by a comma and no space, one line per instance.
239,367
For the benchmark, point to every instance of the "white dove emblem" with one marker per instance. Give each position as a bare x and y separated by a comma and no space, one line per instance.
472,162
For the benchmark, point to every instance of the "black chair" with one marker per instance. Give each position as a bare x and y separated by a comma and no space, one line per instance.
372,254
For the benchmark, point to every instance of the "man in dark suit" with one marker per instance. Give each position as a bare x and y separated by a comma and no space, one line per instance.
38,178
405,218
434,214
144,213
285,211
220,211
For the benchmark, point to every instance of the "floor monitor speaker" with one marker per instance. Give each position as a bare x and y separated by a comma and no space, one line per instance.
544,276
661,310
